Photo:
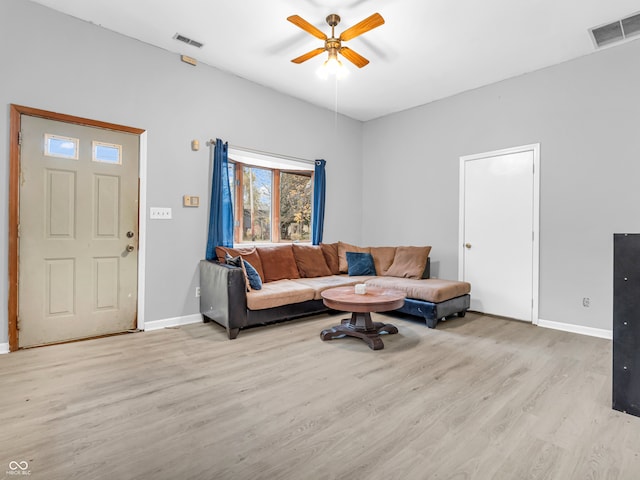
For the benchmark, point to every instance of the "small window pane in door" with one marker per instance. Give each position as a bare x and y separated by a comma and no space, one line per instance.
58,146
107,153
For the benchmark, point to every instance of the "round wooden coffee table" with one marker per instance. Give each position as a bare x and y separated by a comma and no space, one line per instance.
360,324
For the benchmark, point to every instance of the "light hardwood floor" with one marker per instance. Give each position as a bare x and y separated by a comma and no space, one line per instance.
476,398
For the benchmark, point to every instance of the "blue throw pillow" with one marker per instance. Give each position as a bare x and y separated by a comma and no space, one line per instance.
360,264
252,274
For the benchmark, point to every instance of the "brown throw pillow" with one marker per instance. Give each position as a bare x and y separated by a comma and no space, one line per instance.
383,258
310,261
343,248
409,262
248,253
330,252
278,262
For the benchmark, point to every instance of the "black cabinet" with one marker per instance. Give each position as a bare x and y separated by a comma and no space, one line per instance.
626,323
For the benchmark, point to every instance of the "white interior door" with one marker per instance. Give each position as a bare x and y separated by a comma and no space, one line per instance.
78,234
498,231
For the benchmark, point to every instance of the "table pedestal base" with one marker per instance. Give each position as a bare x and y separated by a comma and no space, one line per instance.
361,326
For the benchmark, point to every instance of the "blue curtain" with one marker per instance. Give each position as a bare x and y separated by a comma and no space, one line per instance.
221,210
319,192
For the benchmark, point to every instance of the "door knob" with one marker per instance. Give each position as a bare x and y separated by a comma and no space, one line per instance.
130,248
468,245
129,234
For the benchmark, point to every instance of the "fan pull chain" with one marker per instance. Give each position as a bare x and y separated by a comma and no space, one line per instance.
335,110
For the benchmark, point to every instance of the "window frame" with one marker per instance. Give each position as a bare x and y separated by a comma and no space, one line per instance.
238,207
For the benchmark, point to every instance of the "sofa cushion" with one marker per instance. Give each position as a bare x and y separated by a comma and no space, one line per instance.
330,252
343,248
310,261
360,264
279,293
278,262
409,262
433,290
249,254
383,258
320,284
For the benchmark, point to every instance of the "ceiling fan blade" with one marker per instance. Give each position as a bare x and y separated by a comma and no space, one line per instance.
365,25
306,26
355,58
308,55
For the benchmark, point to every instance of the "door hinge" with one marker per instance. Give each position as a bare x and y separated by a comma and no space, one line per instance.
20,138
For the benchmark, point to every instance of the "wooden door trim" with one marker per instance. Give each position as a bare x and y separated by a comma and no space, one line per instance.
14,194
535,148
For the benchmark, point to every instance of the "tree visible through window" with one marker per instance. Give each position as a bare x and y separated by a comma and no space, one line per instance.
295,207
256,199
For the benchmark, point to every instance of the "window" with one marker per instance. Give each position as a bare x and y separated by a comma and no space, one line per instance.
107,152
295,207
273,200
257,185
58,146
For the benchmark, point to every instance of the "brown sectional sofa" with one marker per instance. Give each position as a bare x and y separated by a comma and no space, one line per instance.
293,277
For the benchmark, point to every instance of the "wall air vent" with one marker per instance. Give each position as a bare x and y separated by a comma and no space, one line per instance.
616,31
188,41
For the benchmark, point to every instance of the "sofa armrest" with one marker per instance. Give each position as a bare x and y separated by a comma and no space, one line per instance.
223,295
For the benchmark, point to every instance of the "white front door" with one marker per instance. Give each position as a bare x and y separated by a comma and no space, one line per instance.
498,231
78,236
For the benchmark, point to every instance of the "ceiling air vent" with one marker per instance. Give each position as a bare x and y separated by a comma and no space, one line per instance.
616,31
188,41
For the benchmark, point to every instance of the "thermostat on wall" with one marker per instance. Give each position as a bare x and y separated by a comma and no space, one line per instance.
191,201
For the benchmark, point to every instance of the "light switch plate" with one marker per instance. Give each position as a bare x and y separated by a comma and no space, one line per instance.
159,213
191,201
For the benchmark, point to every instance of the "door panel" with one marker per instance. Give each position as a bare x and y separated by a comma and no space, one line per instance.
498,233
60,286
107,202
59,206
76,277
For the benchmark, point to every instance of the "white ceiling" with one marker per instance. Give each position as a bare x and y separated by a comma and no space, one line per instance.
426,50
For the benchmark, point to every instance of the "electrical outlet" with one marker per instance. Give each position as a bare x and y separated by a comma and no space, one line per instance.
157,213
586,302
197,292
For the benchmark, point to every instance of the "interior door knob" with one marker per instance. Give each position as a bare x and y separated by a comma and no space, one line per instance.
130,248
468,245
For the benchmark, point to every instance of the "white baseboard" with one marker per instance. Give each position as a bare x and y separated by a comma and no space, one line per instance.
4,348
569,327
172,322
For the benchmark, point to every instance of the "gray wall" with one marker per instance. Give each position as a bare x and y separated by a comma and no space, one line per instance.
584,113
58,63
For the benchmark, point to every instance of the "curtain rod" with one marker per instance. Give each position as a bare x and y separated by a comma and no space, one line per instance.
260,152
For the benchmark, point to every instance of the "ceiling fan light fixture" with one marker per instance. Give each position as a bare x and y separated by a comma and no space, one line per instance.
332,66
